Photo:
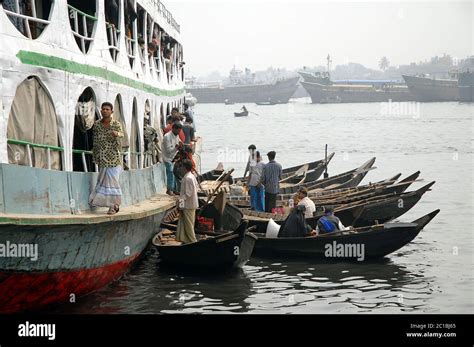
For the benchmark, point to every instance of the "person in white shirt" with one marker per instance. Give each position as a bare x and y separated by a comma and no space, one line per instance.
187,205
256,189
171,144
303,200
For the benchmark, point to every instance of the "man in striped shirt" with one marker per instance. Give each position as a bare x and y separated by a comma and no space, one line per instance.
271,180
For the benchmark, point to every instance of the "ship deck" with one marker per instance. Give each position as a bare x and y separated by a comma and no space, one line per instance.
145,208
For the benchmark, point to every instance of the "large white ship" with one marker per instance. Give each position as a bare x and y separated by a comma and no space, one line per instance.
59,60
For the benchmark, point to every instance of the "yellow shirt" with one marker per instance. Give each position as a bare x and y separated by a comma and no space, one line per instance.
106,150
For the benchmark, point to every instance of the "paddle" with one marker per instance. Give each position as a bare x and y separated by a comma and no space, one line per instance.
326,162
254,113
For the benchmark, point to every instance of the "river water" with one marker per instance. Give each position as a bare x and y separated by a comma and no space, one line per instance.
432,274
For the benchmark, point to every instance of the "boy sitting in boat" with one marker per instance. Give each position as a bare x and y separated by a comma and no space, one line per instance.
329,222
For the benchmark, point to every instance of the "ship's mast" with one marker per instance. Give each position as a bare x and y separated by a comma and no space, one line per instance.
329,61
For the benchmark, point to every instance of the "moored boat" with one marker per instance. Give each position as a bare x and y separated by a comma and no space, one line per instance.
215,252
359,244
51,90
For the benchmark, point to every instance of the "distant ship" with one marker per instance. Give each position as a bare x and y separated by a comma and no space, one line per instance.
428,89
466,86
267,87
279,92
324,90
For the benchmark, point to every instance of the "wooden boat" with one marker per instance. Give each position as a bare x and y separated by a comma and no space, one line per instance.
313,170
345,195
222,251
241,114
361,213
347,179
310,175
377,241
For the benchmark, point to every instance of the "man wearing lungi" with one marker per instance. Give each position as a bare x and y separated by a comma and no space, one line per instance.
187,205
106,154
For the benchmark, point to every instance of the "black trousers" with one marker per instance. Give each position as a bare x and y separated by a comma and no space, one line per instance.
270,201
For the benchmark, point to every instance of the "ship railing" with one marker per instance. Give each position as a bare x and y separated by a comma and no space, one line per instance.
27,19
166,15
113,40
138,157
30,145
130,45
81,31
142,56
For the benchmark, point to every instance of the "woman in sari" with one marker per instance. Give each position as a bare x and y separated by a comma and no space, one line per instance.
106,154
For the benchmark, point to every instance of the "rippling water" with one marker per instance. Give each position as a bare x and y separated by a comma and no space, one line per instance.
433,274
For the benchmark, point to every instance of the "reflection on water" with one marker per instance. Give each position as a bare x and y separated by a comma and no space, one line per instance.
263,287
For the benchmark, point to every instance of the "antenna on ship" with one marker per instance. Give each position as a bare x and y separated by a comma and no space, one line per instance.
329,65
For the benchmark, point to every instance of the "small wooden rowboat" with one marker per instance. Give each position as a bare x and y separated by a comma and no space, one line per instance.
213,251
241,114
359,244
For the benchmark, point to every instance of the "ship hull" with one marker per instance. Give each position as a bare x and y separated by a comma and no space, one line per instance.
352,94
466,87
278,93
431,90
73,260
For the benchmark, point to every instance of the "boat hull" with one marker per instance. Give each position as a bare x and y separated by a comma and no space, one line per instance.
73,260
466,87
431,90
376,244
321,93
278,93
224,252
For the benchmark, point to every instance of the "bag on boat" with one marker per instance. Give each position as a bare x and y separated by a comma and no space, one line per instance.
272,229
326,225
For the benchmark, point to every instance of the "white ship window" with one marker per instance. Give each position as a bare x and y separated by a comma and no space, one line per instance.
135,152
119,115
130,30
30,17
112,26
82,18
32,132
86,113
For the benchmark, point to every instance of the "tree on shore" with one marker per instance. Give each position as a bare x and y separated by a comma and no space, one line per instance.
384,64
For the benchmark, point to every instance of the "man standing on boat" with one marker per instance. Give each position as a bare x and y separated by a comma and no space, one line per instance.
187,205
257,194
271,180
106,154
171,143
251,161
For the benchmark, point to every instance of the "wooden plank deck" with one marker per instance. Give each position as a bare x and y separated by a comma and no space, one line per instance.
149,207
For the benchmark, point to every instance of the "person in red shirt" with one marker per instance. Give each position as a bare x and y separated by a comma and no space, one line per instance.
170,121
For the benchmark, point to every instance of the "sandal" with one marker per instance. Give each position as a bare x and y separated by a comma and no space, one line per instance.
112,211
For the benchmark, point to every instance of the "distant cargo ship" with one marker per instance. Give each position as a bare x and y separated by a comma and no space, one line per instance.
324,90
466,86
346,93
278,93
427,89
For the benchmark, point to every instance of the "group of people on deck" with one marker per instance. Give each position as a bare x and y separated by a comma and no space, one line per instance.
264,186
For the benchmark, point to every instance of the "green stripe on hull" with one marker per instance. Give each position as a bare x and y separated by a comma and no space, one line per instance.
38,59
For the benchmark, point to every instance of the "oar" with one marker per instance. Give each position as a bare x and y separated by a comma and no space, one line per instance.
326,162
254,113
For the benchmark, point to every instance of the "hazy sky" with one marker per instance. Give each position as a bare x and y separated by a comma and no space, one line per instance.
262,33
